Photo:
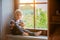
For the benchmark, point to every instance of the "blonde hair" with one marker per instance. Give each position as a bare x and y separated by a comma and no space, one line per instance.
20,12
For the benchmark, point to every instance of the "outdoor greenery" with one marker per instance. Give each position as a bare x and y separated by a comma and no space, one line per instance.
40,17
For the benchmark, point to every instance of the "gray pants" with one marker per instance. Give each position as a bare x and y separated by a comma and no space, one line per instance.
30,33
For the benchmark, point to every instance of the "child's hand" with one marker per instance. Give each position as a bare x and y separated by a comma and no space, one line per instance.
21,24
12,23
11,26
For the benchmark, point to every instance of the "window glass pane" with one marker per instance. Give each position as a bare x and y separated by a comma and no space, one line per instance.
28,15
40,0
41,16
26,1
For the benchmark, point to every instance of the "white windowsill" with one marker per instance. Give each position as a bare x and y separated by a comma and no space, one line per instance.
28,37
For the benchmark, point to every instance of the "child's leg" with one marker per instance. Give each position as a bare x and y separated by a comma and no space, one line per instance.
29,32
33,33
38,33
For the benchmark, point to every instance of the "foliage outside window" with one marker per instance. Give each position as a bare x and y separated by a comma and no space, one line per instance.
34,13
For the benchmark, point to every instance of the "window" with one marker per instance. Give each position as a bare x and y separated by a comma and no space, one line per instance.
34,13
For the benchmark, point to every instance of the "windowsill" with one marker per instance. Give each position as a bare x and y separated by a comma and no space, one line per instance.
37,28
28,37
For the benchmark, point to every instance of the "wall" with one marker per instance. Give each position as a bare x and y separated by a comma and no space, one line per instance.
0,16
7,11
54,19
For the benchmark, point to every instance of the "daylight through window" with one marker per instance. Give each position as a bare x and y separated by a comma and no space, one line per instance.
34,13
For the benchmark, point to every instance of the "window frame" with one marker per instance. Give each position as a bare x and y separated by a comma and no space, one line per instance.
17,3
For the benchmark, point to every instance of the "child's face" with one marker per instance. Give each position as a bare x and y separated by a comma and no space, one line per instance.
12,24
17,15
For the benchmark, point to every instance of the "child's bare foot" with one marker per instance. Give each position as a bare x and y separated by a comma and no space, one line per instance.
25,34
38,33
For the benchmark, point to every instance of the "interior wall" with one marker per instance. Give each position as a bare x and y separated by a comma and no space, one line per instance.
54,19
0,16
7,11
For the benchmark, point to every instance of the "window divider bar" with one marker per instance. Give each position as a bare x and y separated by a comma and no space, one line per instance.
35,3
34,15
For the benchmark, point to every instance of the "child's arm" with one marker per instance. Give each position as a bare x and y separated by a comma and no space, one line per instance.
12,24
